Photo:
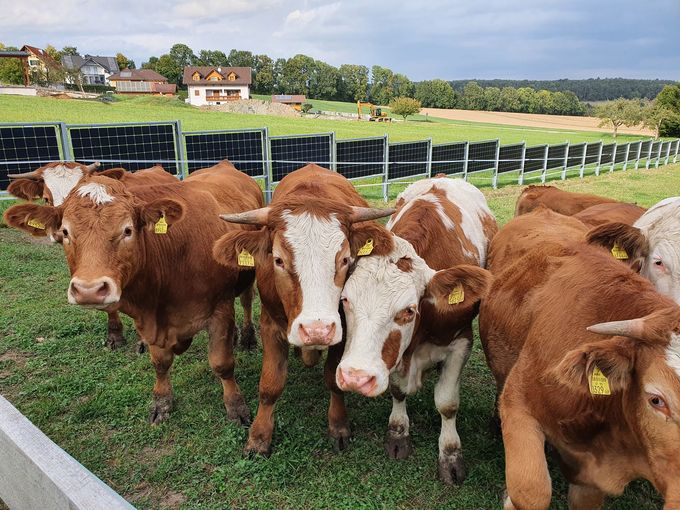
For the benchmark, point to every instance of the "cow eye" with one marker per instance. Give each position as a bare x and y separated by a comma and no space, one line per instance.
658,263
658,403
278,261
127,232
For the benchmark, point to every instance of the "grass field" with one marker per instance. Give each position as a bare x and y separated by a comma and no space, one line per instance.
94,404
35,109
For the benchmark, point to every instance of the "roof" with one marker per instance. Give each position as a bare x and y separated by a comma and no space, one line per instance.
137,75
164,88
76,62
42,55
286,98
12,54
243,75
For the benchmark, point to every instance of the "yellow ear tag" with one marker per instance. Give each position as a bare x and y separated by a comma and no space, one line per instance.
35,224
619,253
457,295
366,249
161,226
245,259
598,383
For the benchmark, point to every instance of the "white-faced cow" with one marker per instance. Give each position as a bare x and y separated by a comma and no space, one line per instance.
597,376
148,252
313,229
411,306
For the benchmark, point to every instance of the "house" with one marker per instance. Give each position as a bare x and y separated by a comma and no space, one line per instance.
141,81
96,70
291,100
41,65
214,85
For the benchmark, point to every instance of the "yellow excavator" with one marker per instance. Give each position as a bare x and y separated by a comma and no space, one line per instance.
377,115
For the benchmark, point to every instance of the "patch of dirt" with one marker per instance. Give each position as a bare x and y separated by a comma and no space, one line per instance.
254,107
165,498
17,357
566,122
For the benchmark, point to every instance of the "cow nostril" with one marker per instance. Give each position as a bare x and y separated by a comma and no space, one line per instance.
74,289
103,290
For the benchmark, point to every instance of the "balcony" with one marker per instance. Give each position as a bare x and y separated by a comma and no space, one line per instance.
216,98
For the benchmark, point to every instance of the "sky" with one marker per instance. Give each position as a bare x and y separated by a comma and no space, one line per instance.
530,39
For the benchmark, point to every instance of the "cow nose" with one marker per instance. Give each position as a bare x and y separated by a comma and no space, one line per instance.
359,381
91,292
317,333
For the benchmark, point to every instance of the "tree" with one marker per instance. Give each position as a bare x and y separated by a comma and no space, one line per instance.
510,100
241,58
182,56
296,74
353,83
11,70
69,50
670,98
53,52
492,99
167,66
473,96
382,90
263,79
655,114
323,83
620,112
150,64
214,58
404,106
435,94
402,86
124,62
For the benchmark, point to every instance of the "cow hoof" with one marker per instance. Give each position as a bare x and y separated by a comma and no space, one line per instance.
160,410
398,447
237,411
248,340
451,468
257,447
141,347
340,438
115,340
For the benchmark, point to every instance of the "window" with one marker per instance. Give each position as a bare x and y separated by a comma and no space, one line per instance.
232,76
196,92
196,76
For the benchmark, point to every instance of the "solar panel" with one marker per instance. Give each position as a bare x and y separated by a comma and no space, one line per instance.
361,157
481,156
245,149
534,158
19,145
408,159
510,158
288,153
448,158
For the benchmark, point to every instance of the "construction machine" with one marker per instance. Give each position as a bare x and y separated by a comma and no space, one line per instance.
377,115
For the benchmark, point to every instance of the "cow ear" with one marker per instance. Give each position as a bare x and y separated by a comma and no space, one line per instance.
112,173
373,238
625,242
26,189
151,212
35,219
614,358
457,287
235,248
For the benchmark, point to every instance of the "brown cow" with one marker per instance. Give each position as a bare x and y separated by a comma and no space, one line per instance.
401,320
605,395
148,251
314,227
600,214
563,202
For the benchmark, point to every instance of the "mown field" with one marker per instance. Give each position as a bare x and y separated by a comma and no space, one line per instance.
32,109
94,403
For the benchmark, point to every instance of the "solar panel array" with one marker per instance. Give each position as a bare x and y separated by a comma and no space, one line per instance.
621,151
481,156
534,158
607,153
289,153
408,159
593,153
25,148
361,157
510,158
556,156
245,149
575,154
448,158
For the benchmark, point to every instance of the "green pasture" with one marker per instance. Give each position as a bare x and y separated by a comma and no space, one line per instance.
94,402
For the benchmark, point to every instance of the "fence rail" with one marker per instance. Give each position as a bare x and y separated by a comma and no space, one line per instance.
137,145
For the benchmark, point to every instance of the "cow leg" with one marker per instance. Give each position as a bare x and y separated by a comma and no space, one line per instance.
526,469
115,336
161,358
398,443
451,467
221,358
248,339
272,382
585,498
338,424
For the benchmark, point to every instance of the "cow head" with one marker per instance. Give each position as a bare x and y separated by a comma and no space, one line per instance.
103,234
641,362
652,245
382,300
52,182
306,249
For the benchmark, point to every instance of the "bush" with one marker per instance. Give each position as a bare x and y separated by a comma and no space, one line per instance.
305,107
405,106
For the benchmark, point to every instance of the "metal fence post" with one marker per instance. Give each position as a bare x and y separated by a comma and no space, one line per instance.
658,154
270,167
649,154
583,160
65,145
265,165
677,149
668,153
611,168
494,179
520,178
386,167
639,153
466,153
180,153
599,159
566,161
544,170
625,159
429,157
333,149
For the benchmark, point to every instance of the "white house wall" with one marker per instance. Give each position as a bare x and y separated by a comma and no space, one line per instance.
199,100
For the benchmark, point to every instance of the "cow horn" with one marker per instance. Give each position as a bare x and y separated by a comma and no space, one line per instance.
93,166
368,213
632,328
254,217
33,174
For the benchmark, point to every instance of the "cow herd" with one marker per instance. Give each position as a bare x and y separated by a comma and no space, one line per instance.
576,296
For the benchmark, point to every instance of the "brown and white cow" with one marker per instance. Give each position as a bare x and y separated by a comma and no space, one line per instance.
411,306
600,214
597,376
148,252
563,202
54,181
312,231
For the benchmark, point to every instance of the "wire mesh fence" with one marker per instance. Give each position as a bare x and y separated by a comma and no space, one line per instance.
374,161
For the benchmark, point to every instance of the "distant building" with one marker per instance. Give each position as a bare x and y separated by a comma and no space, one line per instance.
41,66
141,81
214,85
96,70
292,100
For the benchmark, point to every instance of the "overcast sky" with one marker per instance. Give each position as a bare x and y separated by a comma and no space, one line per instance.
534,39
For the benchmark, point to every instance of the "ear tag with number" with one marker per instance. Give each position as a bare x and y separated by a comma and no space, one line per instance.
35,224
161,226
246,259
457,295
366,249
619,253
598,383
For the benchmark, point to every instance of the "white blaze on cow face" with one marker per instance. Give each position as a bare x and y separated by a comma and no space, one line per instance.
381,302
673,353
60,180
315,243
96,192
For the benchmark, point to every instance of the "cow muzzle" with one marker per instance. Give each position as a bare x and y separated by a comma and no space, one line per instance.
359,381
98,292
317,333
